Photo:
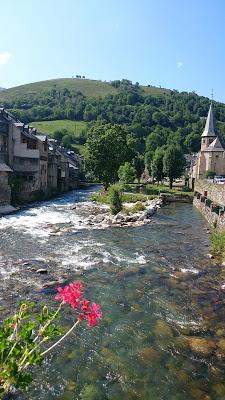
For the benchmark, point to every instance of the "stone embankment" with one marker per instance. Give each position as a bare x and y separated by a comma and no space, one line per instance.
209,199
104,218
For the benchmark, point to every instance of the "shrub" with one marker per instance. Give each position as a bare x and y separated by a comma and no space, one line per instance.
138,207
208,202
218,243
115,199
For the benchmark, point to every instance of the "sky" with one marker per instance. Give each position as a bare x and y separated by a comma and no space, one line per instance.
176,44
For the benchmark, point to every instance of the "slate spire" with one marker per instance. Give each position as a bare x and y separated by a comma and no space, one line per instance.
209,125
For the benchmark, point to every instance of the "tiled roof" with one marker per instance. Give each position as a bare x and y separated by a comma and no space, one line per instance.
215,146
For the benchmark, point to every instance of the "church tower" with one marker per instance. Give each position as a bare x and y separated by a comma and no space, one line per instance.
212,154
208,135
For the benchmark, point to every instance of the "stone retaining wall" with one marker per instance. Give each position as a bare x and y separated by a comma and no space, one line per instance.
215,220
215,192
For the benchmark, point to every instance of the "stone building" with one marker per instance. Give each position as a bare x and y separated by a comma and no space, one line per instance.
26,159
5,147
212,154
36,165
42,145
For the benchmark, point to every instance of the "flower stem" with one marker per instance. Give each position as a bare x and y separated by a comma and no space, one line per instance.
62,338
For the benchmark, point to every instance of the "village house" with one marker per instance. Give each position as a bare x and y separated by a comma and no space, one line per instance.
32,164
5,170
42,144
212,154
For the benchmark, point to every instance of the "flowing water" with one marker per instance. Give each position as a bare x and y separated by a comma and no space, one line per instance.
162,335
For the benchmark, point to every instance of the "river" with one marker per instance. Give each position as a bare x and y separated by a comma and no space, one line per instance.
162,333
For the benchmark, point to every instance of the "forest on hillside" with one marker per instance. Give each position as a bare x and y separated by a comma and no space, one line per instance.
154,120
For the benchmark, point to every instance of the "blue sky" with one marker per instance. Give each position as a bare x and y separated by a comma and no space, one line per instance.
178,44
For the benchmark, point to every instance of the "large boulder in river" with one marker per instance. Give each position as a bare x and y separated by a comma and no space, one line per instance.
147,214
99,218
201,345
162,329
119,217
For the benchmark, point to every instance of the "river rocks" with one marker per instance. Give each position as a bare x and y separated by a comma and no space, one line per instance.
100,216
219,389
210,256
201,345
149,354
162,329
42,271
91,392
51,284
147,213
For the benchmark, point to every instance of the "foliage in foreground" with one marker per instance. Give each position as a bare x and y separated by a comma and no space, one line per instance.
23,337
218,243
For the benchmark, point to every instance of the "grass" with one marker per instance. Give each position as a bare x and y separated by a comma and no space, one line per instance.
73,127
89,88
103,197
218,244
157,189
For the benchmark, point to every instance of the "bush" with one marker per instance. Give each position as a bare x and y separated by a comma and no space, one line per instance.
208,202
115,199
218,243
138,207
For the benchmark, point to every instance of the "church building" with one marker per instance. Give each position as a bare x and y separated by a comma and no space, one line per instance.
212,154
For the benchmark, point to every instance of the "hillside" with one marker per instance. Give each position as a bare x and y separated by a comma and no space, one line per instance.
88,87
152,116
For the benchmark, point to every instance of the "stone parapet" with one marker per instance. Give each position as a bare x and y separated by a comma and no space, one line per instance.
215,192
215,220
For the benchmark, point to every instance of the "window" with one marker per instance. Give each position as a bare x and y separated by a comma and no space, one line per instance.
4,128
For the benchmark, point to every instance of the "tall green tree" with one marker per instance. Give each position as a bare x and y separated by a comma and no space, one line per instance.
139,166
157,164
126,173
148,161
107,149
173,163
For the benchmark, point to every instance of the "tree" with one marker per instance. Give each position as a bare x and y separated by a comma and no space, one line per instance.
157,164
126,173
148,161
107,149
139,166
173,163
193,142
58,135
115,199
66,141
153,141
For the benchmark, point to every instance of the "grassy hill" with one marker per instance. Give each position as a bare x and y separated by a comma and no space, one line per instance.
73,127
88,87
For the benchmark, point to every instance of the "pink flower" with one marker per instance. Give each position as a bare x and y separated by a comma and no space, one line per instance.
93,314
70,294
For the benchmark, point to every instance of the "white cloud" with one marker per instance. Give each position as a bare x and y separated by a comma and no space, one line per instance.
4,57
179,64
